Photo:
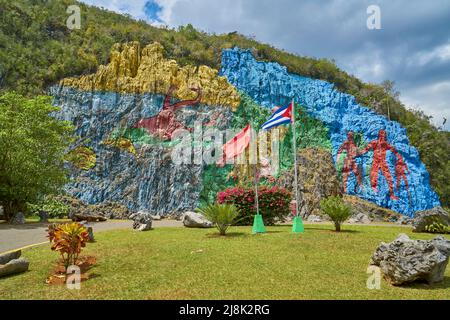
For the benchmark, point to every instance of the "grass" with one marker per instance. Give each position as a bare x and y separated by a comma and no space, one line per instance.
179,263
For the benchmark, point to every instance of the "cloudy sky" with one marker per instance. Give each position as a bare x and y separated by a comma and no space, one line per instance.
412,47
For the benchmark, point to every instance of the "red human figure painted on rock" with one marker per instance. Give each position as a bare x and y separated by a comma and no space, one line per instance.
400,171
352,151
164,123
380,147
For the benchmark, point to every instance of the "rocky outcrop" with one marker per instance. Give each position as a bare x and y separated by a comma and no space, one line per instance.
88,217
133,70
317,179
428,217
196,220
11,263
270,84
405,260
360,218
142,221
18,218
372,211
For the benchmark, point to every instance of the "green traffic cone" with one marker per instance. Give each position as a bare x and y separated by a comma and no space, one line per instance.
258,225
298,227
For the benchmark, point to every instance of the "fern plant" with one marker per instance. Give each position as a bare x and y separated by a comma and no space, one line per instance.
222,215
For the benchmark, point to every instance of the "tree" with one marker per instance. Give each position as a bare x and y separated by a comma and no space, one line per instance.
32,147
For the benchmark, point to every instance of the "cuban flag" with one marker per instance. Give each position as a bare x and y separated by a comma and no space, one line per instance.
280,116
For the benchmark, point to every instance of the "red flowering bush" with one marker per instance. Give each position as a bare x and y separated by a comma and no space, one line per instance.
273,203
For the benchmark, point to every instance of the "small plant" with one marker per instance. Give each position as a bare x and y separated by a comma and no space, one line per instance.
68,239
336,209
436,227
222,215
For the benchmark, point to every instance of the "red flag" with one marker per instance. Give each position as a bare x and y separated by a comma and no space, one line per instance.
236,146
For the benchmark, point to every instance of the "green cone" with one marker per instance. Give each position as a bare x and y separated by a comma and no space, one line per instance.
298,227
258,224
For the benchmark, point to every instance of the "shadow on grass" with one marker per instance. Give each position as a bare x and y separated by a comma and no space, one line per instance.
228,235
330,230
423,285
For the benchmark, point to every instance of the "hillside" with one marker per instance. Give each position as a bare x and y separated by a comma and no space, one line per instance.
37,50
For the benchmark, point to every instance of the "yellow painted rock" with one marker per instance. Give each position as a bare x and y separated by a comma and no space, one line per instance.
132,70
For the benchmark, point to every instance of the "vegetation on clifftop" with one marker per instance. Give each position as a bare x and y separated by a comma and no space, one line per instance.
37,50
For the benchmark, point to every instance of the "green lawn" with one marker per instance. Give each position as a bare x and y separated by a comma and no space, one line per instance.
177,263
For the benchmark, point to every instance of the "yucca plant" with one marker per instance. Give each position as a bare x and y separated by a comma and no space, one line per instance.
68,239
222,215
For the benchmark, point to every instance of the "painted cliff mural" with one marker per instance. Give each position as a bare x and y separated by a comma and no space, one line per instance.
126,115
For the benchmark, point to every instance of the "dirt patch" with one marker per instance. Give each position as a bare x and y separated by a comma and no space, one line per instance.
58,276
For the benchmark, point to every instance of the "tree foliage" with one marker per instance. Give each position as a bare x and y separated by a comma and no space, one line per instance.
32,146
37,50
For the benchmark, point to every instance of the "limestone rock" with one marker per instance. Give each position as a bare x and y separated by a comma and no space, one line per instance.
314,218
132,70
268,84
6,257
11,263
371,210
196,220
360,218
88,217
43,216
405,260
317,179
142,221
425,218
14,267
18,218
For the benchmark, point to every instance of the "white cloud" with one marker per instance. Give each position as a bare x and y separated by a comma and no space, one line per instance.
433,99
439,54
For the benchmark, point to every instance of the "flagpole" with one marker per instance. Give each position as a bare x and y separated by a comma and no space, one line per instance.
297,227
294,138
258,223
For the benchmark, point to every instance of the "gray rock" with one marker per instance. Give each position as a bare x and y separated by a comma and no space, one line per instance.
314,218
425,218
43,216
18,218
142,221
405,260
13,267
156,217
360,218
7,257
404,220
196,220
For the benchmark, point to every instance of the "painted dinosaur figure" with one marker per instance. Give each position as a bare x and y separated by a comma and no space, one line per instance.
164,123
352,151
380,147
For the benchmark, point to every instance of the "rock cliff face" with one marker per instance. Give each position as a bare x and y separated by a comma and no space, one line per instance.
132,70
269,84
127,163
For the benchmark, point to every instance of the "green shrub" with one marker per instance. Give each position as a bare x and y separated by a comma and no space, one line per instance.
55,208
336,209
273,203
222,215
437,227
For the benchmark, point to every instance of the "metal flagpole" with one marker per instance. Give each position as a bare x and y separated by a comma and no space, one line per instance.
294,138
258,223
297,227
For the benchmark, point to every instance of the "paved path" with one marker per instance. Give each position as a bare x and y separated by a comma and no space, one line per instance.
19,236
